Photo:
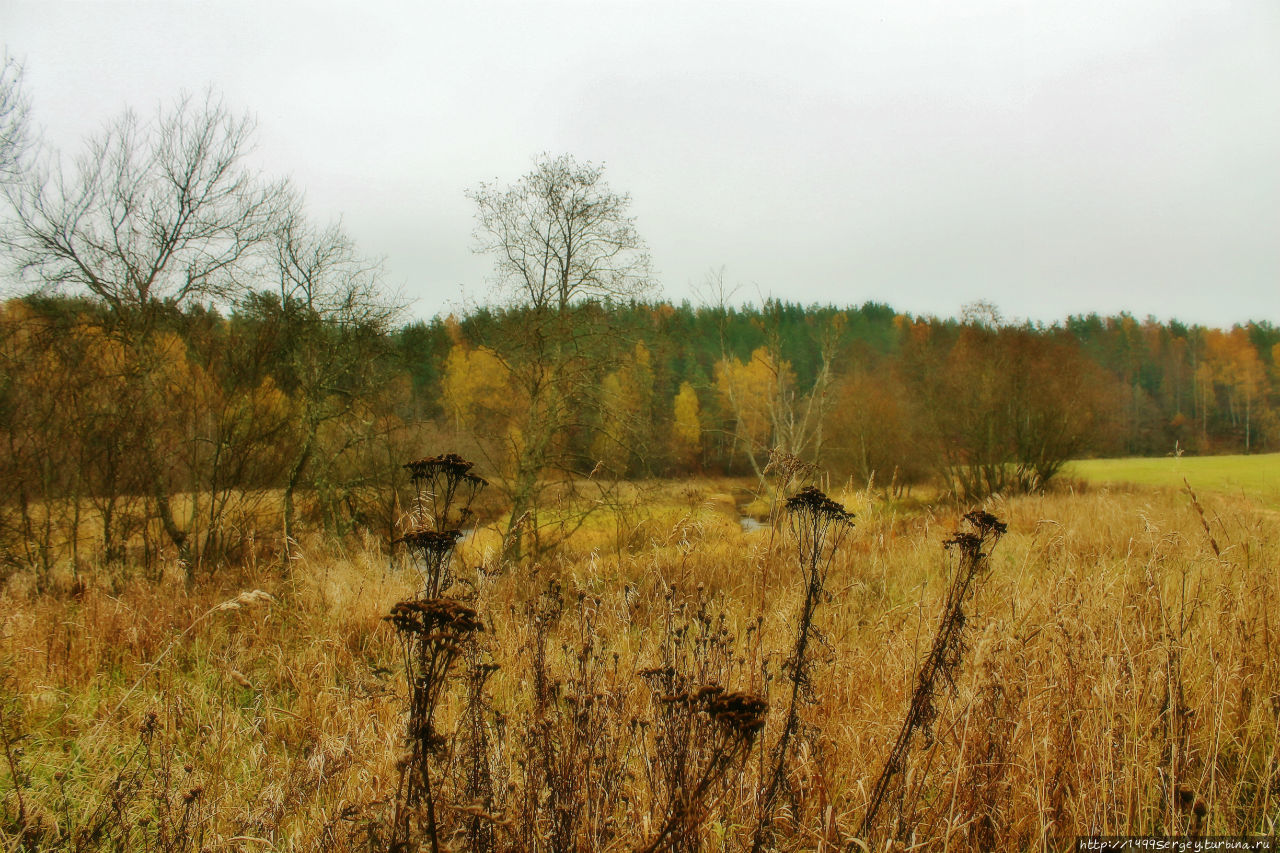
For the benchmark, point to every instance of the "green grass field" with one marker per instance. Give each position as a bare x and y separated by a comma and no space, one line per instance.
1256,476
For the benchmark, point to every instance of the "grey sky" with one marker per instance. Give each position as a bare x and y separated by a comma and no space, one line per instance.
1052,157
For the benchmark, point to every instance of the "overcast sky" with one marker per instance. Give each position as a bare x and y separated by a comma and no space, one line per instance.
1050,156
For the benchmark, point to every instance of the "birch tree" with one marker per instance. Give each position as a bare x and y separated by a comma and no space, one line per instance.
559,237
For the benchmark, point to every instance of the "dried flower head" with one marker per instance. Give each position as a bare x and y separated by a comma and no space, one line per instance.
449,464
986,523
431,541
430,616
788,467
819,525
813,501
741,712
1186,796
987,529
969,544
446,487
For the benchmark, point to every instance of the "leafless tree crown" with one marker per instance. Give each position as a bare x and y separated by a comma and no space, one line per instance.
321,271
155,210
561,234
15,125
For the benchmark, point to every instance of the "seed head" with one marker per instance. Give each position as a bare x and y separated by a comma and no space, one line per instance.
431,541
445,463
813,501
432,615
968,543
986,523
741,712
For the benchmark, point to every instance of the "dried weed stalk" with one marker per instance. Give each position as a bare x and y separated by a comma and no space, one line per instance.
480,815
819,526
704,734
434,631
701,733
152,803
573,756
940,667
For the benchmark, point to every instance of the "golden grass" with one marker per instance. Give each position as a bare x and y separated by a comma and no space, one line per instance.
1116,663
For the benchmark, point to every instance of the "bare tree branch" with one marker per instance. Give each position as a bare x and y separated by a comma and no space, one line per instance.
16,140
154,211
560,234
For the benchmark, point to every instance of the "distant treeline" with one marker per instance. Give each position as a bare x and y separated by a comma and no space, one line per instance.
1146,386
106,430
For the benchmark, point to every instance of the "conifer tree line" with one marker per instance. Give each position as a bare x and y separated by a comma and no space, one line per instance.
191,365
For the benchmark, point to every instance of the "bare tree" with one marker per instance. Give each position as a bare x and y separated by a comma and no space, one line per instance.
15,122
797,420
154,211
331,301
559,236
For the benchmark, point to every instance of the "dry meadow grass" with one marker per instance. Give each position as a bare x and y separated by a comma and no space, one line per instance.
1119,677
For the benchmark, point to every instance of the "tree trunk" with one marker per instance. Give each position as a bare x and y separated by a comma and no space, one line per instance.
523,505
176,535
295,477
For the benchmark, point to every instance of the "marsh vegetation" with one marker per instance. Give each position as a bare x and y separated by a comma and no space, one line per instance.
1111,673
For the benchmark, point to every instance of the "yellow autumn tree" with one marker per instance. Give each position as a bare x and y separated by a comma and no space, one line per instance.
686,427
753,393
626,412
1233,367
476,387
39,435
210,449
609,445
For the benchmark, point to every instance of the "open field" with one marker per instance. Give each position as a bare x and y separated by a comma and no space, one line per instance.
1118,676
1256,476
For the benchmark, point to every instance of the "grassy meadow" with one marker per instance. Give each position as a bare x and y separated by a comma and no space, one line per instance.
1117,676
1256,476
